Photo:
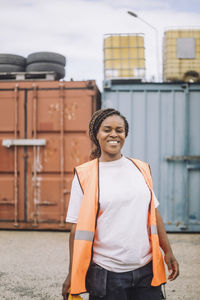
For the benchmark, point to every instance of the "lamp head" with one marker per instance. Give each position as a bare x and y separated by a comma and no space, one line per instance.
132,14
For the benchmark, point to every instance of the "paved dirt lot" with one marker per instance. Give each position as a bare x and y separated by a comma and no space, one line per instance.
33,265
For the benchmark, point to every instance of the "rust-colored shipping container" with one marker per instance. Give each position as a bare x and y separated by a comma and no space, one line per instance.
43,136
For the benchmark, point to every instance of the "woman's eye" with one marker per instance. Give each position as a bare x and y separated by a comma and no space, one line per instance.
117,130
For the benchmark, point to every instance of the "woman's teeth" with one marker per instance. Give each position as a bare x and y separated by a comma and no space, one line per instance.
113,142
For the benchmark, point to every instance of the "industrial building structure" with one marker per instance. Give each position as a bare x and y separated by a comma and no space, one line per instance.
44,130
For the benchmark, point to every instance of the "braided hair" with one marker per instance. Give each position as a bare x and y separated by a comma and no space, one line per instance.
97,118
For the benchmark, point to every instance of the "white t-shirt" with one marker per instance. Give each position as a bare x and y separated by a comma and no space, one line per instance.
121,239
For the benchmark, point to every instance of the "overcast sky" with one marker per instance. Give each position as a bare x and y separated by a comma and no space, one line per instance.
75,28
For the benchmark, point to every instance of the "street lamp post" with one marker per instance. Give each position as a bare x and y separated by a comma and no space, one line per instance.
156,34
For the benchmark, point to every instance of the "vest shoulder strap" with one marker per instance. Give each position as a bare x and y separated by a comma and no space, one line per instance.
145,170
85,171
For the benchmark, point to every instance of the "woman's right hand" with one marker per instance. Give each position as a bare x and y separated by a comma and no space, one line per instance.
66,286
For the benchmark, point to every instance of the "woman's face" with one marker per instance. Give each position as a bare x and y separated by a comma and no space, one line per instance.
111,137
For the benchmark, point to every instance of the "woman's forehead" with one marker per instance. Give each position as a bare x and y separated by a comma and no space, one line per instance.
113,120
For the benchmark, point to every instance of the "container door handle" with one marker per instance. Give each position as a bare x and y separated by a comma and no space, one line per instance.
23,142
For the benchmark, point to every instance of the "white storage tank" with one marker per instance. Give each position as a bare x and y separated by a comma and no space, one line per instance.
124,56
181,51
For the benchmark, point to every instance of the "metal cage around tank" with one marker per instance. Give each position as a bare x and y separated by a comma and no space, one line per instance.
181,54
124,56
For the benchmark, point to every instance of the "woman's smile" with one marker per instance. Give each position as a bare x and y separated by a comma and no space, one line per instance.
113,142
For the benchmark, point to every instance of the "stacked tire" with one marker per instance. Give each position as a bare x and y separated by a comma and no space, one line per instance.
46,61
12,63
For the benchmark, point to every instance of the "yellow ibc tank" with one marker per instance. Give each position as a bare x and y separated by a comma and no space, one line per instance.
124,56
181,54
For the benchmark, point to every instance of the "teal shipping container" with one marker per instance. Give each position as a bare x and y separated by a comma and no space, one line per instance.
164,121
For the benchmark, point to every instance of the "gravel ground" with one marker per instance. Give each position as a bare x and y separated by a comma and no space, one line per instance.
33,265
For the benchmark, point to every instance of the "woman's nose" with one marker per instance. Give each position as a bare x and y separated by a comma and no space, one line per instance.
113,133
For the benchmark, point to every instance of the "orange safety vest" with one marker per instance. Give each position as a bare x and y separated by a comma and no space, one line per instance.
88,175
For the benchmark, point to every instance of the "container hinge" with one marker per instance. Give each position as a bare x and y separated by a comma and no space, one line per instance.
183,227
193,167
183,158
23,142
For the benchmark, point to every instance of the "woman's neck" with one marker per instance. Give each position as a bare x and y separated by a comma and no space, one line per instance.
106,158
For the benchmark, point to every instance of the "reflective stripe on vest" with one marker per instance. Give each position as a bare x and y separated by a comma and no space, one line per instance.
82,252
154,229
84,235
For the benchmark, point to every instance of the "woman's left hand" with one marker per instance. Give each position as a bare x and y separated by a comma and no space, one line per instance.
173,266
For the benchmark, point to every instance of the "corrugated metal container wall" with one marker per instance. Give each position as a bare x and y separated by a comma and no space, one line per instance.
43,136
164,131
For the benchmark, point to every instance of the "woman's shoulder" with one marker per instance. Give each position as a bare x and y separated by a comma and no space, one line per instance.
141,164
139,161
87,165
144,167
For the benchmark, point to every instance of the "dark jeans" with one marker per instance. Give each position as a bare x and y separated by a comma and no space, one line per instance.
134,285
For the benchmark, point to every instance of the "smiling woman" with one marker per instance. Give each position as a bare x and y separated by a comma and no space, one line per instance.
117,230
107,124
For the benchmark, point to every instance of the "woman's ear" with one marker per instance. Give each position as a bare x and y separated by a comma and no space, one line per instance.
97,136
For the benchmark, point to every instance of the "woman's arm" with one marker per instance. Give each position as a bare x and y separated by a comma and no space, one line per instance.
67,281
170,259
